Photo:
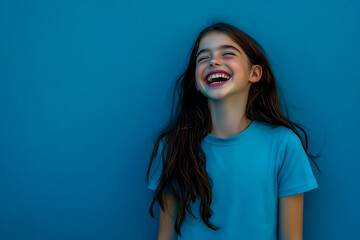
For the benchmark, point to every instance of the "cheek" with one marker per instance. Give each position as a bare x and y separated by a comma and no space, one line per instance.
198,72
240,67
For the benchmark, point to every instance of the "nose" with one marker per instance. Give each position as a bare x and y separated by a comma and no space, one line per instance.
214,61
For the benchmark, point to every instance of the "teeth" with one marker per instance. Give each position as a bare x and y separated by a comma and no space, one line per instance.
218,75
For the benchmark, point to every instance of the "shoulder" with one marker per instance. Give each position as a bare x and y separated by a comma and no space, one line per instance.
279,138
156,164
275,132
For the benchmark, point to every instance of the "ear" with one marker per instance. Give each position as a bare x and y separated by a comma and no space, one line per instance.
255,74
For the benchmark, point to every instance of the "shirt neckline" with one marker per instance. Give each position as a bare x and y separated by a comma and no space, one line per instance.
211,139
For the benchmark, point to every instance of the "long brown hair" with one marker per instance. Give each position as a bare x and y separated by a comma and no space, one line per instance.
184,161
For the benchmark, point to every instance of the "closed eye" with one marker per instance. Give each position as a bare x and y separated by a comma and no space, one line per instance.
201,58
229,54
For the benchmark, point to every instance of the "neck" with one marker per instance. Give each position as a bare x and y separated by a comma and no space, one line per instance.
228,117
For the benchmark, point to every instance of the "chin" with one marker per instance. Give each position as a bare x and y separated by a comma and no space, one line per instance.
215,97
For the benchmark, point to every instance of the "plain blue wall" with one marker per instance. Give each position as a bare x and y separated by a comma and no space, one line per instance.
83,92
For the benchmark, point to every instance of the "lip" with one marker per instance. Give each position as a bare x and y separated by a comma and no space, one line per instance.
214,85
215,72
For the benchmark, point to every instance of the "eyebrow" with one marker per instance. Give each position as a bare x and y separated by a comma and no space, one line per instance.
221,47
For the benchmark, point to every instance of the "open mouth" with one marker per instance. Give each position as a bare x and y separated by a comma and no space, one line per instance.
217,79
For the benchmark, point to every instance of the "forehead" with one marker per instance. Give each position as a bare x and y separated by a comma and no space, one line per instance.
214,40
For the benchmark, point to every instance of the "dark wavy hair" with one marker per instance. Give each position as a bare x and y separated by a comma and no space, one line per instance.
184,161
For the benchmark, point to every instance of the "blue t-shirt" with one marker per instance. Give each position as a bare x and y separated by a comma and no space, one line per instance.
250,172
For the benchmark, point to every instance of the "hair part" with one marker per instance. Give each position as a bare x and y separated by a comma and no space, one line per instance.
184,161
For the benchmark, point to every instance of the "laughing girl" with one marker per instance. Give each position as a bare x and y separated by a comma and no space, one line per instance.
230,165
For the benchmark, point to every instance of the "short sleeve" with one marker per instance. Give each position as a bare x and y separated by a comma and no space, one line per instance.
156,168
295,174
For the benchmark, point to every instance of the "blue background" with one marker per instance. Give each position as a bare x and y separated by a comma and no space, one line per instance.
84,89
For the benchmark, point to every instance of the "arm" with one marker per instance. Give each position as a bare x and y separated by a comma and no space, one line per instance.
291,217
167,217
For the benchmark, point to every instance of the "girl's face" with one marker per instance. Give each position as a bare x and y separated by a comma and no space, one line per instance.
222,68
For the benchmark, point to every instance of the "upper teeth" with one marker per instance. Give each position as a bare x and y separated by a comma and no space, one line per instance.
218,75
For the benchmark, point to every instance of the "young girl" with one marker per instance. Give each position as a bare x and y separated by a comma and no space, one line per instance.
230,165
